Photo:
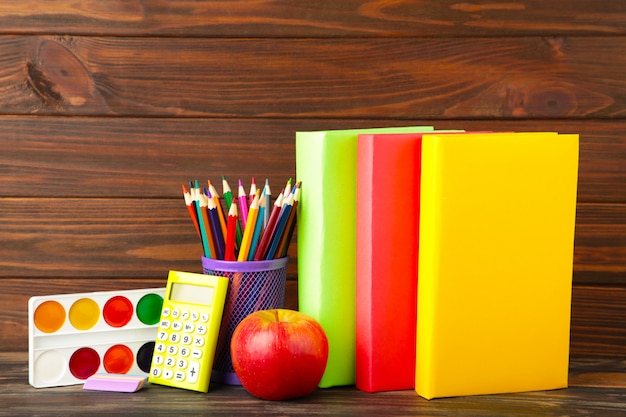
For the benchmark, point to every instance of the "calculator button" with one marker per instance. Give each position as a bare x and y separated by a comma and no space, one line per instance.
160,348
201,329
184,352
162,336
181,364
196,353
172,349
189,327
184,315
167,374
156,372
170,361
177,325
179,376
157,359
174,337
165,312
204,317
195,315
198,341
192,373
175,313
186,339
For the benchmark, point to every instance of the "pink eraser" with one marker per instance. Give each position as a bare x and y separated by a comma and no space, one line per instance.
115,382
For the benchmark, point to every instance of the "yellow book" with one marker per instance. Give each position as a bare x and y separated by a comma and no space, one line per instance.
495,262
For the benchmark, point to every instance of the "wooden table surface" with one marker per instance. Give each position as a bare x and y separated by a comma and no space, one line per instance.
597,388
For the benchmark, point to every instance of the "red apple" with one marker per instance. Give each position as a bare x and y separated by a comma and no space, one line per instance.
279,354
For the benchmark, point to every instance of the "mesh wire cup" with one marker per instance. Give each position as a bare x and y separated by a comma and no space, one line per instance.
253,286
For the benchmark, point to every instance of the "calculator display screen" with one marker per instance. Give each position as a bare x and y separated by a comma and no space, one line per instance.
189,293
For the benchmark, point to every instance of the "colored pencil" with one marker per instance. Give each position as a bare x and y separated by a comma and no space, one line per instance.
191,209
226,192
287,189
243,206
216,229
280,227
229,198
283,247
215,196
208,229
258,228
229,254
202,220
267,193
249,230
252,191
261,250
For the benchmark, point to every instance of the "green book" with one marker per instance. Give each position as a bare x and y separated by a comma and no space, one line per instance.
326,166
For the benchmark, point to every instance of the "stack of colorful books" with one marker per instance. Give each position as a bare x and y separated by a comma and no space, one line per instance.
439,261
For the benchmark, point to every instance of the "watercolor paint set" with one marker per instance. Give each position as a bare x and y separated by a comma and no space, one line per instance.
74,336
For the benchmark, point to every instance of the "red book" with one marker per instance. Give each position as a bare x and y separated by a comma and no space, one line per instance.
387,219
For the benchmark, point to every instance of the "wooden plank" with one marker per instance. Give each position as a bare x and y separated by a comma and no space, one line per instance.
273,18
130,157
141,238
598,373
598,317
405,78
103,157
16,293
585,397
99,238
600,243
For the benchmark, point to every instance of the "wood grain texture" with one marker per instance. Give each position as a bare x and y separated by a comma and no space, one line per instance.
73,238
520,77
142,238
324,18
598,322
598,388
131,157
600,243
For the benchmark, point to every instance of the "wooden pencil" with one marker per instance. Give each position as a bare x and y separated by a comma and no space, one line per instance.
249,230
280,227
215,196
261,249
285,240
229,253
191,209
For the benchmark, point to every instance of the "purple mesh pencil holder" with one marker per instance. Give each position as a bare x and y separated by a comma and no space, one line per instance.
253,286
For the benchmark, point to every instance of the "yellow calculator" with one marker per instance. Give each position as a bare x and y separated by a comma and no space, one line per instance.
188,330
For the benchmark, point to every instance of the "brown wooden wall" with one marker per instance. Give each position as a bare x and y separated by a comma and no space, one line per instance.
106,107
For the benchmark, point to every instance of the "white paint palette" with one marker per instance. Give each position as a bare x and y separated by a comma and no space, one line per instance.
74,336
